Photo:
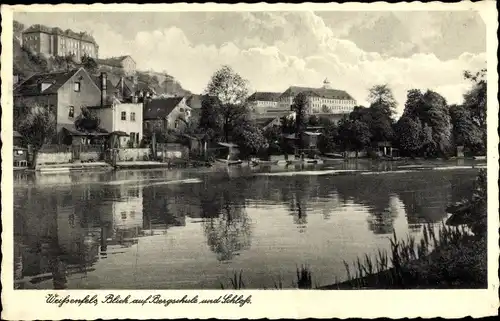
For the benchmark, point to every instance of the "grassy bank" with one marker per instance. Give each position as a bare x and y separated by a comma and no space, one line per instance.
454,258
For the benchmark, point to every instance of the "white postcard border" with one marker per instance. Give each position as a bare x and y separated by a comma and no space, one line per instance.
30,304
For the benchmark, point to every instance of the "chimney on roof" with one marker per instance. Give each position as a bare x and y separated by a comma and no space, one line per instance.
121,87
104,81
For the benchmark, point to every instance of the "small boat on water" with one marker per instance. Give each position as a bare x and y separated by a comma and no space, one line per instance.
257,162
334,156
304,161
328,160
229,162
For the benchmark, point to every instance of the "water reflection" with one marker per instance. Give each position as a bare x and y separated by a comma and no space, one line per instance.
67,231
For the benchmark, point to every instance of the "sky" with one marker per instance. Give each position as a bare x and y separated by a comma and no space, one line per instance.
274,50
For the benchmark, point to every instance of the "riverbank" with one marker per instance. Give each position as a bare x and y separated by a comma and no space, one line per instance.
277,163
458,262
72,167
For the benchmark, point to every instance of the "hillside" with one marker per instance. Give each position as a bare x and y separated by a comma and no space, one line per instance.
27,63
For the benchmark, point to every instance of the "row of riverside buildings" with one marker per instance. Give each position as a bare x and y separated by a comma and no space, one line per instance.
129,108
124,108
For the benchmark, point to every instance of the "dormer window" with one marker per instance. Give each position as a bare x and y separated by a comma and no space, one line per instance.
44,86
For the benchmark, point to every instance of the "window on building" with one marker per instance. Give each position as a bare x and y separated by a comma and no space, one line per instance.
124,115
71,112
124,215
76,86
176,124
181,110
132,116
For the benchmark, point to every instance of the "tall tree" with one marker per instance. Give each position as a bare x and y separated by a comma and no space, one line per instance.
300,107
37,128
409,132
231,91
476,99
382,108
228,86
210,117
465,131
437,116
326,142
354,134
361,113
382,97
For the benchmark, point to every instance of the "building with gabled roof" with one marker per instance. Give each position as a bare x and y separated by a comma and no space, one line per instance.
320,100
164,114
64,94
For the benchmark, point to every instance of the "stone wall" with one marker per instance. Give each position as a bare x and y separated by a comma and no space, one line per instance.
91,156
133,154
172,151
53,158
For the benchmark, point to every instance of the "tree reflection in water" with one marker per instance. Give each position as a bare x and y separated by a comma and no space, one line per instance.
301,190
226,224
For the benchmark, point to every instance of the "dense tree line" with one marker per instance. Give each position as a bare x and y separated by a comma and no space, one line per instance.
428,127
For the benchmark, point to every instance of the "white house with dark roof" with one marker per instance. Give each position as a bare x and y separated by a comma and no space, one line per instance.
260,101
324,100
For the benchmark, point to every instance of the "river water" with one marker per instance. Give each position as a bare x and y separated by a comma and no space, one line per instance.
196,228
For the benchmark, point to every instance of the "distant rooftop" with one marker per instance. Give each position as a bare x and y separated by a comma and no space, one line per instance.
68,32
320,92
264,96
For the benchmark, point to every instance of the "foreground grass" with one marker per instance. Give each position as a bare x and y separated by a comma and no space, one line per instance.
455,258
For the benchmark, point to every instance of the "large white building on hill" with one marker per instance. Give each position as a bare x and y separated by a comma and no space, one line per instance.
324,100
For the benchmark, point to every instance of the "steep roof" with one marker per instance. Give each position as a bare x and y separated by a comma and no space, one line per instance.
128,86
264,96
32,86
160,108
320,92
109,85
264,121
